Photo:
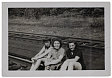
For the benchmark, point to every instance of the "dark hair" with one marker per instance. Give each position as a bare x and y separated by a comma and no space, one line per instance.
46,40
56,39
72,42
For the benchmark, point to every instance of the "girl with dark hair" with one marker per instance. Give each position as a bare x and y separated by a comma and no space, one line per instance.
42,55
55,55
74,58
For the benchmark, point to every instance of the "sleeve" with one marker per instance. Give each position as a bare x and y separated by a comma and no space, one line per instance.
62,53
67,54
79,53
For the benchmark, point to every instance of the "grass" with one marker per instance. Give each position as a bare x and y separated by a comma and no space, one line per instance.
79,27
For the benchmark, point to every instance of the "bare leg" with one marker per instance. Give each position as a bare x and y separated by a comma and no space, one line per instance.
32,67
70,66
36,65
77,66
64,65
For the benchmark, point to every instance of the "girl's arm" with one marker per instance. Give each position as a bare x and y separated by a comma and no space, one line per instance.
77,57
49,55
45,53
41,51
56,61
74,59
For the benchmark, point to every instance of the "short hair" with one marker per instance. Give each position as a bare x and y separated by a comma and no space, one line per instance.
56,39
72,42
46,40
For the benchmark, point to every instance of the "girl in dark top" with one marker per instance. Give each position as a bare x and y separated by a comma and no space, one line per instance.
74,58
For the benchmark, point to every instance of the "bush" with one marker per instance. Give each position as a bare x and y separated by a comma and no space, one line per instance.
97,22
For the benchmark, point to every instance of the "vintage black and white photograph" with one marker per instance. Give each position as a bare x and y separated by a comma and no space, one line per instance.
57,39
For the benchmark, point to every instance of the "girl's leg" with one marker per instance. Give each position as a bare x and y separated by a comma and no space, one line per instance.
45,61
36,65
32,67
75,65
64,65
70,66
78,66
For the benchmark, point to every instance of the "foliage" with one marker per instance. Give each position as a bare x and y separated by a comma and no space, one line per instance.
36,13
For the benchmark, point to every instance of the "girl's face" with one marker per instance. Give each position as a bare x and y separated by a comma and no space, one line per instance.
56,45
72,46
47,43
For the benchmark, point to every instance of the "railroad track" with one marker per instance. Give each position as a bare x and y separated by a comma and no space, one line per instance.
81,42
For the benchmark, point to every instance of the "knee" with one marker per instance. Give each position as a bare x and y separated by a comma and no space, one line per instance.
77,66
71,64
38,61
66,62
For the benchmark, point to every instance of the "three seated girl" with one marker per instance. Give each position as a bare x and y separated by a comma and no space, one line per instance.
53,55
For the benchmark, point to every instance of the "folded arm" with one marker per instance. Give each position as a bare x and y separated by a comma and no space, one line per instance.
45,53
41,51
56,61
74,59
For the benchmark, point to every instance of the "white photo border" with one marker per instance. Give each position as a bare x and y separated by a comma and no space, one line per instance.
7,73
